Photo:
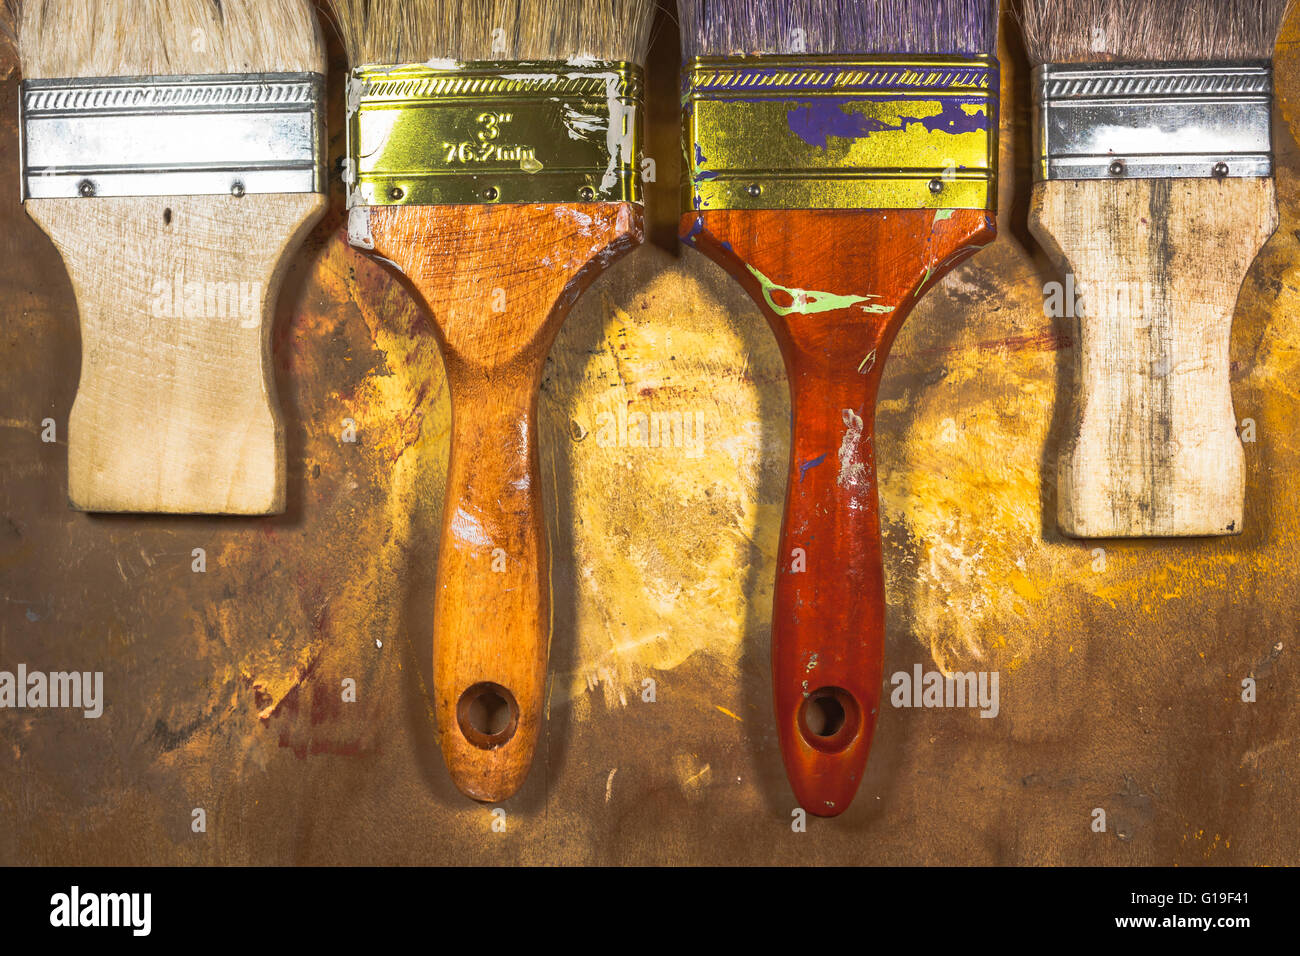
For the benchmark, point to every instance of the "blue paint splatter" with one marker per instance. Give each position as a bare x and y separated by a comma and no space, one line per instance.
811,463
696,228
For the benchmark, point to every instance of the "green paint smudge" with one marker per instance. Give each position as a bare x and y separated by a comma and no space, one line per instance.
811,303
924,279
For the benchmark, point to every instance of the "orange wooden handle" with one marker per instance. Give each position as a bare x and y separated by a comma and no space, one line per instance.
498,282
835,287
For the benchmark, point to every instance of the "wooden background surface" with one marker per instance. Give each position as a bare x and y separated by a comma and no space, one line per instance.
1120,682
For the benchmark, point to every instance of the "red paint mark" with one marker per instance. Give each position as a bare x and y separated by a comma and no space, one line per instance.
408,426
325,711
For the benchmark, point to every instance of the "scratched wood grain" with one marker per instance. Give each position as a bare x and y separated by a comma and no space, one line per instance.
1120,672
175,298
497,282
1152,447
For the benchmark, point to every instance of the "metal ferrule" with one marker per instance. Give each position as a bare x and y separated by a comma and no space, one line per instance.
494,132
1153,120
835,132
173,135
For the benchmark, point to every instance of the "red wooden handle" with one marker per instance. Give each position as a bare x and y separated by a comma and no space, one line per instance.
828,619
835,286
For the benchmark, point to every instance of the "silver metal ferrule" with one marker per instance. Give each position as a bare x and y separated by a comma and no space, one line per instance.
1153,120
173,135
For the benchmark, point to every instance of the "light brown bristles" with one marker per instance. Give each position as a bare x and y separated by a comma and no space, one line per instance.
1100,31
87,38
416,31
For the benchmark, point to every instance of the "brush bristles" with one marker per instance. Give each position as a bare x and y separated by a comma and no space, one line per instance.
741,27
416,31
85,38
1093,31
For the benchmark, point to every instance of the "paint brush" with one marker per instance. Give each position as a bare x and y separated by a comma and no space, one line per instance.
840,161
174,153
493,163
1154,192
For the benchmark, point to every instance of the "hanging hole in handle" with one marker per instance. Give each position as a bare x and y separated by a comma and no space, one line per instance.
488,715
829,719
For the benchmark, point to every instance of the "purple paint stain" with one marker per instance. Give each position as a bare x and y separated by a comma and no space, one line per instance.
811,463
817,122
956,120
696,228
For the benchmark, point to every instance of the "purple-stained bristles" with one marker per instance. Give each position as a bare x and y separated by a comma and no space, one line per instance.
743,27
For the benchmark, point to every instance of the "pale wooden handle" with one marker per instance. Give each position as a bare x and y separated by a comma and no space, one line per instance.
1152,448
176,410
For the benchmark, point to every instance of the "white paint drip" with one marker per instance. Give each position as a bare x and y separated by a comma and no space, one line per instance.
359,228
577,217
851,470
531,77
467,528
620,133
582,125
352,96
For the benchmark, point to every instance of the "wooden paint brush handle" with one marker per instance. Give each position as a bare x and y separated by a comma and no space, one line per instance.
176,409
1157,265
835,287
498,282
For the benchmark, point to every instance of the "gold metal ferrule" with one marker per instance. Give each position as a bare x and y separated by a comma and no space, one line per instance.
834,132
494,132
